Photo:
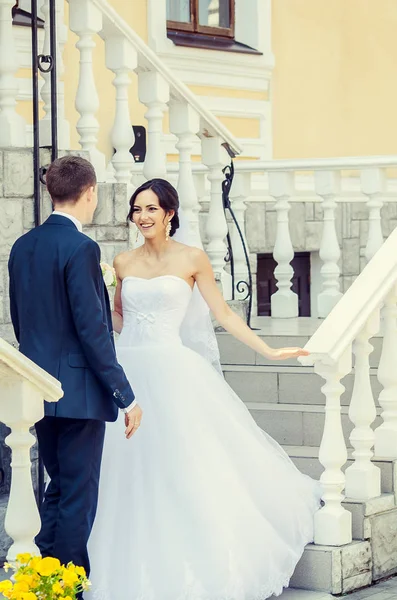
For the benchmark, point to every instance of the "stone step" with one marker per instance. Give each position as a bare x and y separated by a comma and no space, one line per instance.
306,460
297,424
339,570
287,384
278,333
335,570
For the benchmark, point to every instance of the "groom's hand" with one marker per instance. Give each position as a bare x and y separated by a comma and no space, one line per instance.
133,421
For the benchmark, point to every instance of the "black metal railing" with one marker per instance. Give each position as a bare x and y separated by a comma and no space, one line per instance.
242,286
46,63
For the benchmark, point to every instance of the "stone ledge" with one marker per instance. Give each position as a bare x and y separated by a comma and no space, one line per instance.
335,570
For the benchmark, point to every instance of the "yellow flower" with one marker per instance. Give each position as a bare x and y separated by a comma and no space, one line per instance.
80,571
36,560
69,577
7,567
5,585
47,566
29,596
24,558
67,598
21,586
57,588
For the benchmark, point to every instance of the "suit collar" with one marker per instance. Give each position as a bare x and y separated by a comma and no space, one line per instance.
71,217
59,220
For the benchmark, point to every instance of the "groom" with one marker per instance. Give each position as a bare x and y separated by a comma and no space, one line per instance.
62,320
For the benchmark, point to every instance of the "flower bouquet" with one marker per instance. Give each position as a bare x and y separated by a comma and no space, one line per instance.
109,275
43,578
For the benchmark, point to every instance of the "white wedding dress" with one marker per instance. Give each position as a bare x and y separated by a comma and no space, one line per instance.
200,504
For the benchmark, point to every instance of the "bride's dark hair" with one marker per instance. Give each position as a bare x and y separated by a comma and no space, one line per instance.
167,195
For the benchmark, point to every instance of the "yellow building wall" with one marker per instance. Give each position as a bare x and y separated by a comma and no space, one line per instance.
334,90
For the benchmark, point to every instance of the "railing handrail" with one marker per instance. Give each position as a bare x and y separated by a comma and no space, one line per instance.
13,359
150,60
317,164
355,307
306,164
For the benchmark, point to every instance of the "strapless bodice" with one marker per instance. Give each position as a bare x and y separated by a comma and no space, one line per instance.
153,310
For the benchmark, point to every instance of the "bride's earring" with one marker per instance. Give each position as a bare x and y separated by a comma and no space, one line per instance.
168,230
136,234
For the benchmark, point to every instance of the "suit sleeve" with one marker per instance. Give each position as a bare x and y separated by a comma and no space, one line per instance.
84,284
13,304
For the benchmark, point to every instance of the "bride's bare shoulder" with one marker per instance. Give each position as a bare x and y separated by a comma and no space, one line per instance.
195,258
190,251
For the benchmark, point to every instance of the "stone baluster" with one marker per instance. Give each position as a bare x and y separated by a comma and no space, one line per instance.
284,303
154,92
122,59
185,124
21,406
85,21
373,186
363,477
333,523
12,125
238,195
215,158
45,123
327,185
200,183
386,433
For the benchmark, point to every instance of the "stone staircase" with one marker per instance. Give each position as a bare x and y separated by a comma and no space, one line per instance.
286,401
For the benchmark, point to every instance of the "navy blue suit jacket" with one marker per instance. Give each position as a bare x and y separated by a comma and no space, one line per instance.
62,320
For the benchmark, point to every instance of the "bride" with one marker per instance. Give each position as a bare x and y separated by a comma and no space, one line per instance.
201,504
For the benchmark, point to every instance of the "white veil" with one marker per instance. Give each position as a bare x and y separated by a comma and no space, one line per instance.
197,331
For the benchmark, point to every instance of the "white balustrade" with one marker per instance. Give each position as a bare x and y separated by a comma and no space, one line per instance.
363,477
327,186
284,303
154,92
185,124
12,125
122,59
332,523
85,21
215,158
238,195
386,433
63,127
373,186
23,387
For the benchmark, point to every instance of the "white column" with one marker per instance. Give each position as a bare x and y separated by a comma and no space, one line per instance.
386,433
185,124
12,125
122,59
85,21
327,184
154,92
363,477
21,406
215,158
239,193
333,523
45,123
284,303
373,186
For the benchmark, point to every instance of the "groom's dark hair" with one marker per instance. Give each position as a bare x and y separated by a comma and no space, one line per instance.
67,178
